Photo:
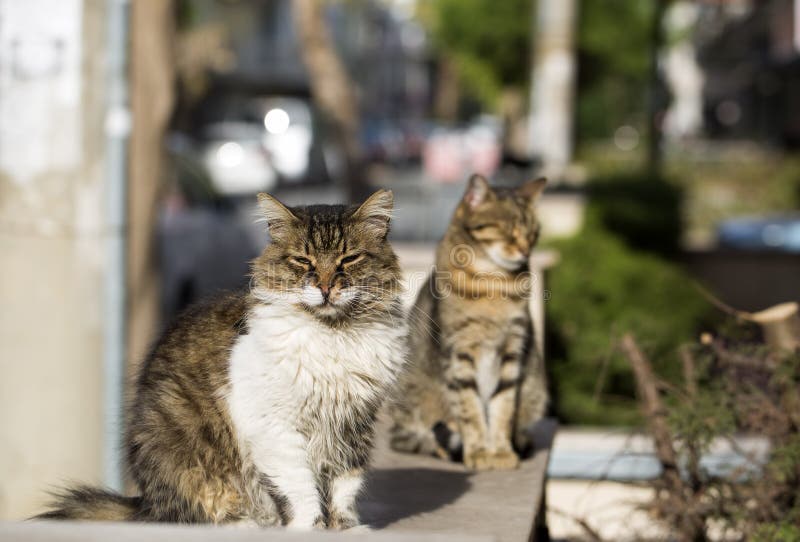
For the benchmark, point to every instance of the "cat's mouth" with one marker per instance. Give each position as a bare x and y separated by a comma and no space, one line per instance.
511,264
327,308
503,261
327,303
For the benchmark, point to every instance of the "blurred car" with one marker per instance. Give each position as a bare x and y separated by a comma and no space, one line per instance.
252,142
768,233
288,135
236,159
203,250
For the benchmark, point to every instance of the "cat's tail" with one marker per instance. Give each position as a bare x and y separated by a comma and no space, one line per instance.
92,504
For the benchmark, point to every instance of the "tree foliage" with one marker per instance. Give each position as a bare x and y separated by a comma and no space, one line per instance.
488,40
613,62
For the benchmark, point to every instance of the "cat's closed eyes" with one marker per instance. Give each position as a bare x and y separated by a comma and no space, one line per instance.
260,406
332,264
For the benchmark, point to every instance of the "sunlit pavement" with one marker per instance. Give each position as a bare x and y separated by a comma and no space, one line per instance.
614,510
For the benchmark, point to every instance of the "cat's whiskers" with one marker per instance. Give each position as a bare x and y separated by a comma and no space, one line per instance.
287,296
431,330
385,308
414,313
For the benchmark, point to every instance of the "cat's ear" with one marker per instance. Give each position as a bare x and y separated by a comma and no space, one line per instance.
277,216
376,212
478,191
532,189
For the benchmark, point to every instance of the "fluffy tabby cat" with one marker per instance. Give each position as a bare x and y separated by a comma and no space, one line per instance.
260,407
474,369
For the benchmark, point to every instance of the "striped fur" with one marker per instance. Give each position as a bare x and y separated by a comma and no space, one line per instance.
475,380
259,407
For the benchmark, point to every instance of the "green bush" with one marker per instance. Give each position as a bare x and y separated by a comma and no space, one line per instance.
782,532
601,289
644,210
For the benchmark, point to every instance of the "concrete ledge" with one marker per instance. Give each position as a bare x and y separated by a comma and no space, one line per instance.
407,497
420,494
136,532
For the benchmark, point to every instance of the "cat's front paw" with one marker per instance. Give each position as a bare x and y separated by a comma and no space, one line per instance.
477,459
503,460
360,528
482,459
299,524
342,521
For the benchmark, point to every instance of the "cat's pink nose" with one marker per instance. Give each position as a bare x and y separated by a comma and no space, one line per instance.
325,289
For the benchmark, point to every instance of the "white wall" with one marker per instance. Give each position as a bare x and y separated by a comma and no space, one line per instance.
51,240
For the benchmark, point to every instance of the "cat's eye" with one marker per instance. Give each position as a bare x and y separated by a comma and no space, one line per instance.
299,260
352,258
479,227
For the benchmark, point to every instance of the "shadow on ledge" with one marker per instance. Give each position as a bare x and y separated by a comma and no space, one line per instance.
393,494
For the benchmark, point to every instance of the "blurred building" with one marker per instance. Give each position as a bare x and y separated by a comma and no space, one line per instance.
750,55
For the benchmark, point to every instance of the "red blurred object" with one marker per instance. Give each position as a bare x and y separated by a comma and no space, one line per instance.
450,155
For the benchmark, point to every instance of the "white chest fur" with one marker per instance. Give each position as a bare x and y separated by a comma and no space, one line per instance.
288,361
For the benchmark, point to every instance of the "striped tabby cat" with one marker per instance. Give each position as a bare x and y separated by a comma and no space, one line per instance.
260,407
474,367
